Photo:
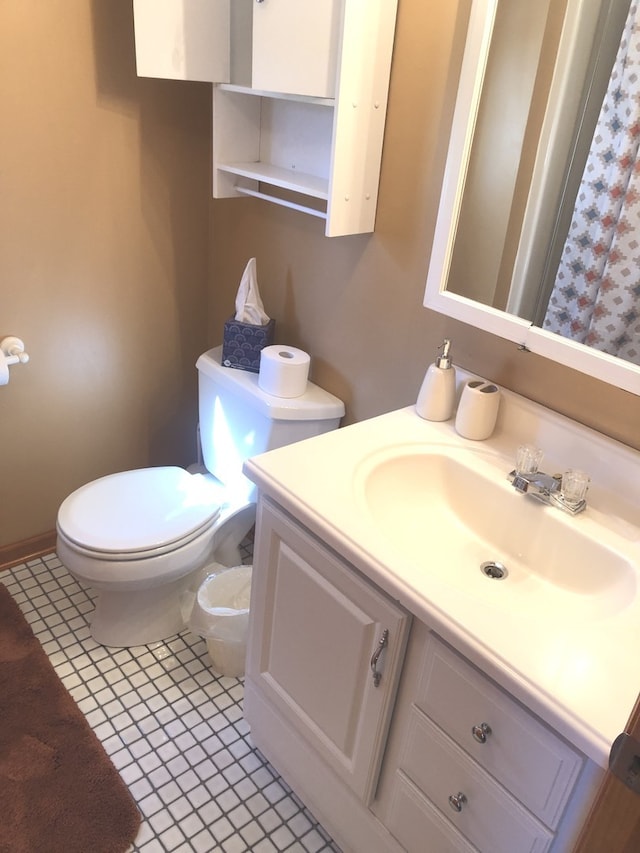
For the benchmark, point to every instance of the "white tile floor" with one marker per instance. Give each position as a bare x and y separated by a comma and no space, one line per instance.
174,729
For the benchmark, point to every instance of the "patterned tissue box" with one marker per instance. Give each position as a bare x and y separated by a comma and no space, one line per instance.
242,343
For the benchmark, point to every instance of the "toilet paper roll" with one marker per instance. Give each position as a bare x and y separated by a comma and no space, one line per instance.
283,371
478,410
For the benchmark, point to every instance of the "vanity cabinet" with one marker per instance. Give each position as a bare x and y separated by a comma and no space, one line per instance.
299,97
392,738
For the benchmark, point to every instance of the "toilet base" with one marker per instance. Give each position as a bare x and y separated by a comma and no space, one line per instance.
138,617
132,607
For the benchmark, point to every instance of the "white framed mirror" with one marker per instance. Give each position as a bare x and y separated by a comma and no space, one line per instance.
530,96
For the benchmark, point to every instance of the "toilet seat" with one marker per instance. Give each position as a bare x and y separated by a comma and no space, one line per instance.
131,556
137,514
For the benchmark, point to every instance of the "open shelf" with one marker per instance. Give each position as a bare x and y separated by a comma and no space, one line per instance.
324,151
262,93
299,95
277,176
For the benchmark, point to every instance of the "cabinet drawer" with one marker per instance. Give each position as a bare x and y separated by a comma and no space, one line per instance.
534,763
489,817
418,825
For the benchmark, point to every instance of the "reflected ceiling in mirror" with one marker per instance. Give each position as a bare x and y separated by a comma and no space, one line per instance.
522,131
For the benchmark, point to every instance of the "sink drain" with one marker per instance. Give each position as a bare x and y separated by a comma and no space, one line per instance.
494,570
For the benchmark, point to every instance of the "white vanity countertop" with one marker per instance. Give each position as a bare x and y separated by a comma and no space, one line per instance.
578,672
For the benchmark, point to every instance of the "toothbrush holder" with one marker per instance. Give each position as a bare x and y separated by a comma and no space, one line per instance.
478,410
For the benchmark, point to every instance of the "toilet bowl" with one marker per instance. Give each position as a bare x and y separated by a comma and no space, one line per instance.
140,537
137,537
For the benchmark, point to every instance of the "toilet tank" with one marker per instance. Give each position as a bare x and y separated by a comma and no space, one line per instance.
238,419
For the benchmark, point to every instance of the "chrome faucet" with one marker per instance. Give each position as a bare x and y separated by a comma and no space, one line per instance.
565,491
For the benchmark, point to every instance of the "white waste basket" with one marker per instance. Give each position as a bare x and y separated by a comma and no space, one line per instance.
221,616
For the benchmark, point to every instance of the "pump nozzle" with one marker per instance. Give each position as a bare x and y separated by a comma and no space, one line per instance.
444,361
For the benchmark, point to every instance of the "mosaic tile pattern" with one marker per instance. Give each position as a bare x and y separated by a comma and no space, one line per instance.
174,730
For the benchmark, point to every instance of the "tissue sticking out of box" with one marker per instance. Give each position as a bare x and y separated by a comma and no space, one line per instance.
249,307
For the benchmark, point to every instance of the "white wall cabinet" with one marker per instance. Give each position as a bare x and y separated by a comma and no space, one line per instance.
299,99
437,757
319,155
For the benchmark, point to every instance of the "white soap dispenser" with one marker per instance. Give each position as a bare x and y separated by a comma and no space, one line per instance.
437,396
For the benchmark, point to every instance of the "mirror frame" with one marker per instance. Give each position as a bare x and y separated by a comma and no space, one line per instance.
599,365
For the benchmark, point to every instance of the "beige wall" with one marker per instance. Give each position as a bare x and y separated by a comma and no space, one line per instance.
103,255
117,270
355,302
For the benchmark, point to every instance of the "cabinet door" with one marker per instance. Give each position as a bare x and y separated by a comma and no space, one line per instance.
295,46
316,624
182,39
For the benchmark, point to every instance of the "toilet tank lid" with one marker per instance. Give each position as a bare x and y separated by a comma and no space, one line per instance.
314,404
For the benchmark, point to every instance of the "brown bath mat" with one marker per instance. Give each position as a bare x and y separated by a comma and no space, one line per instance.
59,792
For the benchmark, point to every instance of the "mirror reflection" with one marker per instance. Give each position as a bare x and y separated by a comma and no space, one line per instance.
548,226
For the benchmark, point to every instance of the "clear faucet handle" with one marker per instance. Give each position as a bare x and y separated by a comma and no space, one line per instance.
528,459
574,486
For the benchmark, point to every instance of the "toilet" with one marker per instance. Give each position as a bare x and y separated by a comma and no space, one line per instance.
140,537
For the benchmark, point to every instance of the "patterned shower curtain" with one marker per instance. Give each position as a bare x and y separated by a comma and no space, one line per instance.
596,296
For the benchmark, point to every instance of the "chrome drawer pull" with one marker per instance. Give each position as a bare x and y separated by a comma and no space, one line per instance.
481,732
382,642
456,802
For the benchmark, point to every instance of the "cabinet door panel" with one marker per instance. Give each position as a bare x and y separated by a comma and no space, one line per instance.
182,39
325,672
295,46
317,625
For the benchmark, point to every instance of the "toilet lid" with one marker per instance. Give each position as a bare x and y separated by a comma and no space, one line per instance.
139,510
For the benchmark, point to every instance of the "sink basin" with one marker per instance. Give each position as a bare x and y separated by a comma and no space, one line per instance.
447,511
